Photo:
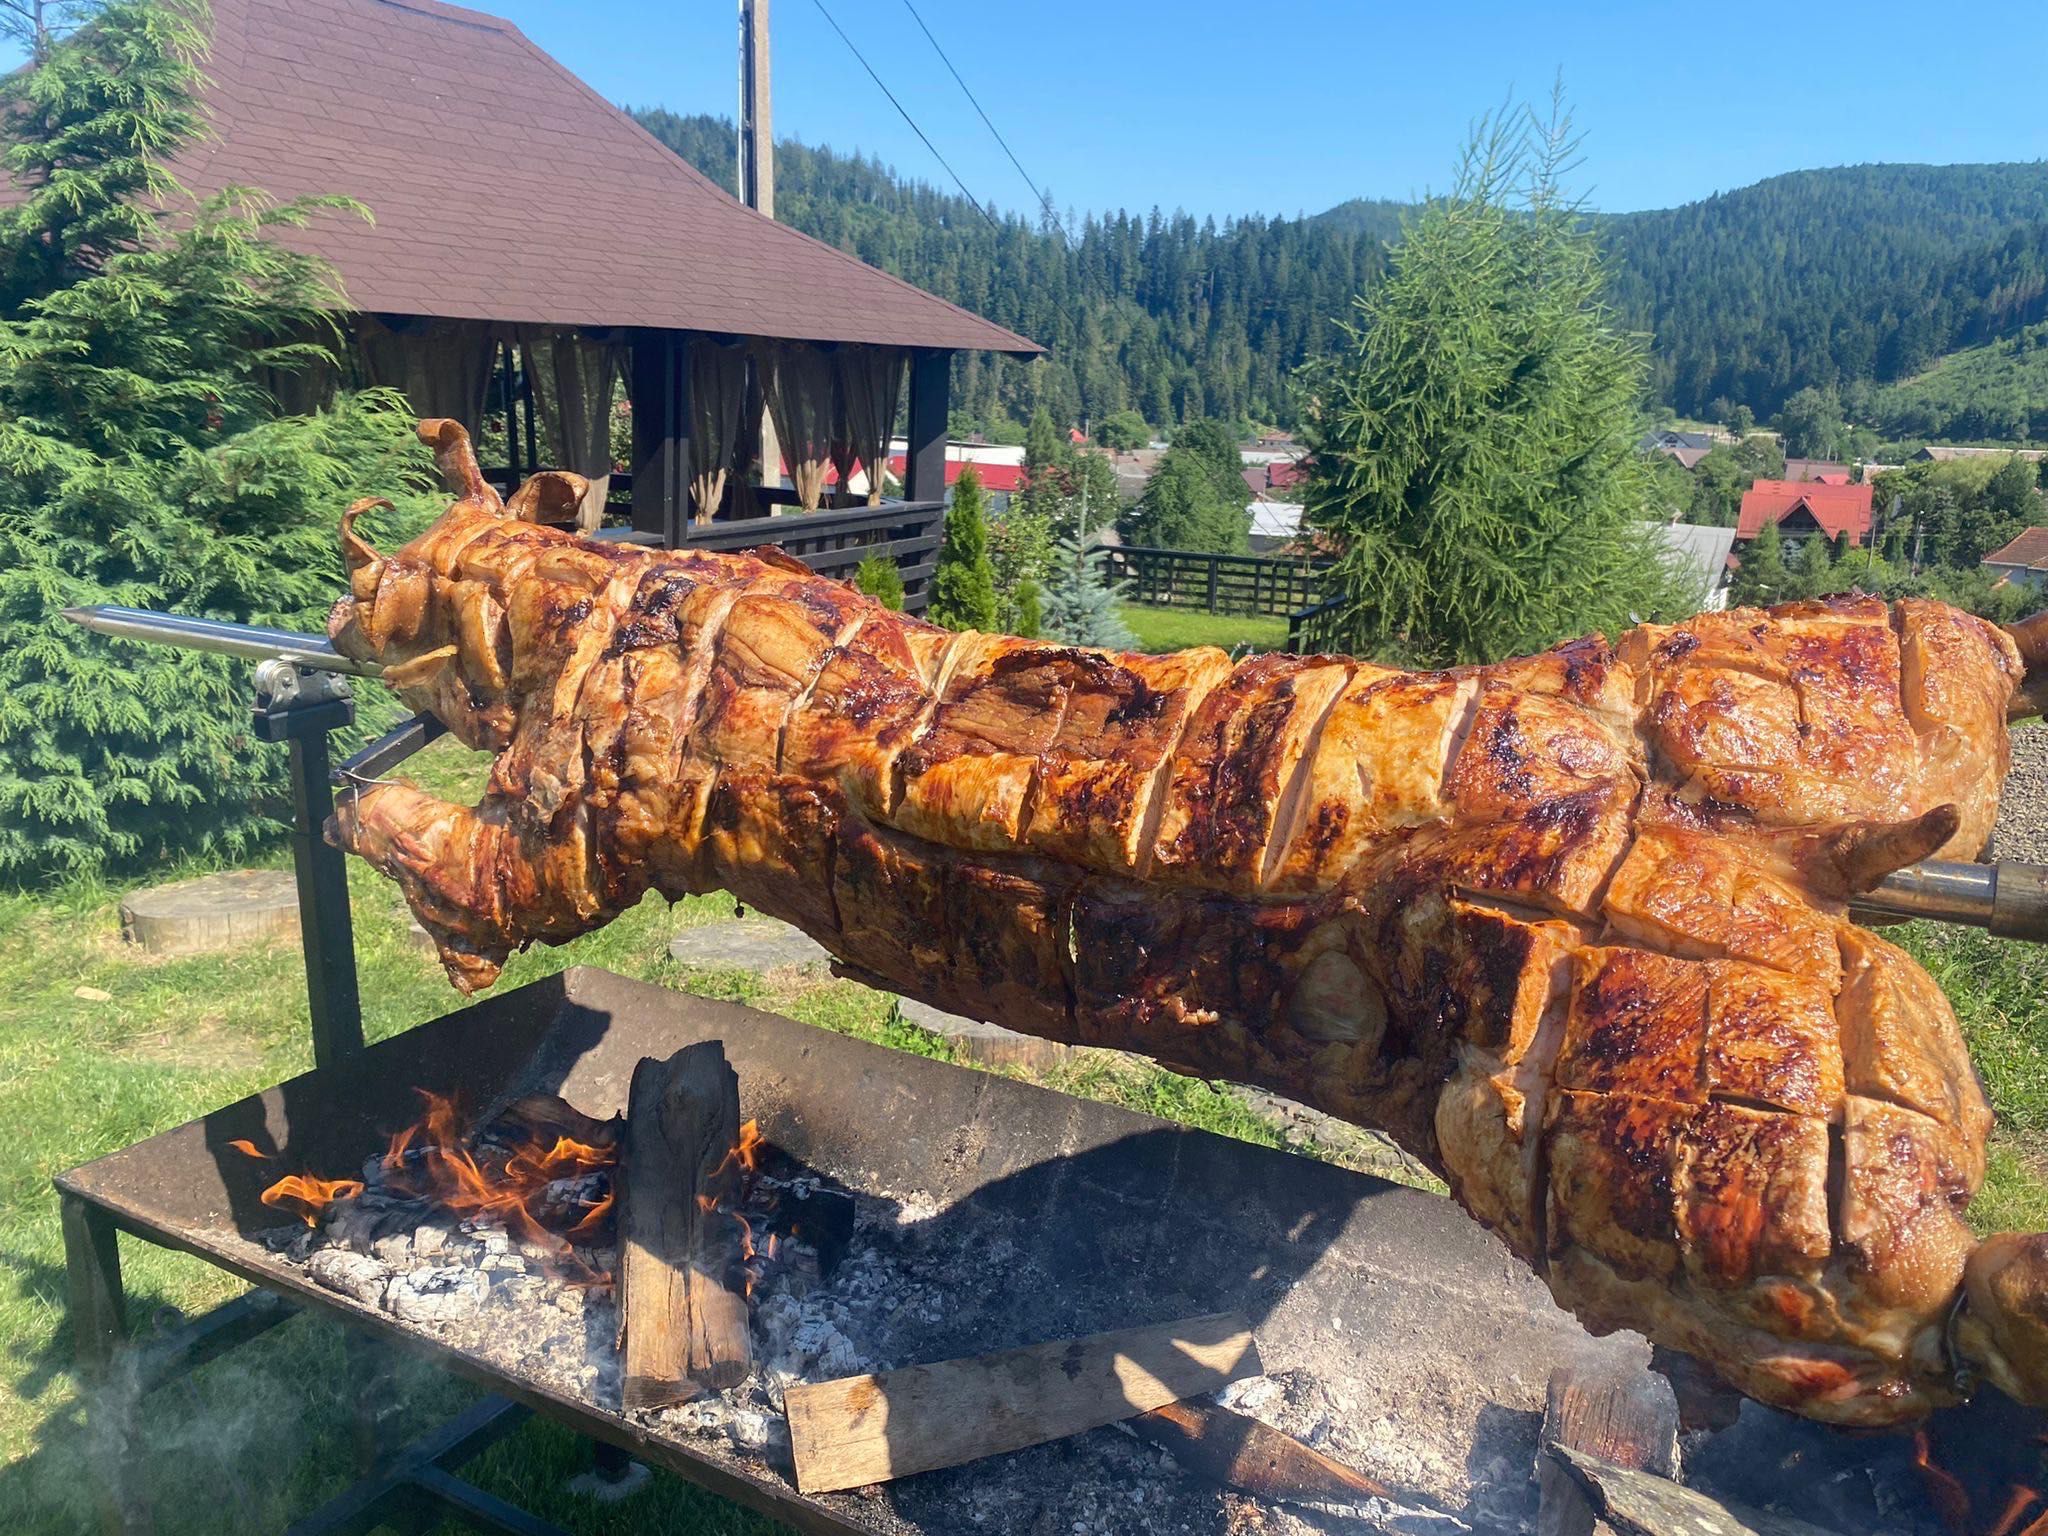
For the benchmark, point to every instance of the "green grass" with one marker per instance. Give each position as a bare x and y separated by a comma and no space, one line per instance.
2000,992
1175,629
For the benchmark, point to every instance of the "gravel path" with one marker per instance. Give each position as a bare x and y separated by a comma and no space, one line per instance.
2022,831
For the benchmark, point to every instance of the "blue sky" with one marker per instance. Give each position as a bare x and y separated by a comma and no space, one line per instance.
1289,106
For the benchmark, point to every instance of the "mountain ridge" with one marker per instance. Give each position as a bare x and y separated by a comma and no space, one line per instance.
1851,277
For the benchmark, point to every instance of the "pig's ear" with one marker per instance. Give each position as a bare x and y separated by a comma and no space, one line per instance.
457,462
365,565
548,496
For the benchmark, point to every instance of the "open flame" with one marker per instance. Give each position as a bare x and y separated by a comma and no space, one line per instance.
523,1172
308,1197
2024,1513
434,1160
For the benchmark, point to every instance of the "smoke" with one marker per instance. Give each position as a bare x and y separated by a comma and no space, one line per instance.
246,1443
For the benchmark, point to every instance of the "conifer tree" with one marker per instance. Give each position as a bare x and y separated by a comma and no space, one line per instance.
1761,578
1080,607
1474,455
1810,571
1184,507
1030,608
964,585
141,463
880,579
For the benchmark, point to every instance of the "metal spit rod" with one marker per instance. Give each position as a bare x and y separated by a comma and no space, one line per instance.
252,641
2007,897
2010,899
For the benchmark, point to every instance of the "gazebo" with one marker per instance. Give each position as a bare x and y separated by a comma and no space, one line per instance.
533,248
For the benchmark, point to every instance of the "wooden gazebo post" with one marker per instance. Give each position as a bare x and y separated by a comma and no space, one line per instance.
924,457
660,391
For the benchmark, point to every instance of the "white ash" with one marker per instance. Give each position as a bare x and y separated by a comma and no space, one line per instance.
905,1290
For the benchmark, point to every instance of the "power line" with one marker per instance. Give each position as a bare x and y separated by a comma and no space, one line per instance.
1044,198
928,144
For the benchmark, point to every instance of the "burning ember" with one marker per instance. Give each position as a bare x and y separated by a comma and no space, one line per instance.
2021,1510
539,1170
513,1240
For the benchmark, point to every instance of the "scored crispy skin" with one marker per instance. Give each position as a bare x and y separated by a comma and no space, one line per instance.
1570,928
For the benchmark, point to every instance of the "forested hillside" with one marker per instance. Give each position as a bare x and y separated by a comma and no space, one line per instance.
1996,392
1149,312
1829,277
1848,278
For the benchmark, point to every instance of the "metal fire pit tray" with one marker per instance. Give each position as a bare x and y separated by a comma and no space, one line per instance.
1427,1344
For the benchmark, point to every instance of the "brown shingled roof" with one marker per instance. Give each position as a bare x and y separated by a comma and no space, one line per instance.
506,189
2030,549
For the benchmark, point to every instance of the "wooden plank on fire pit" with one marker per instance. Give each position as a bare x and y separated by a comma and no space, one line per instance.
1626,1418
869,1429
682,1319
1238,1451
1635,1503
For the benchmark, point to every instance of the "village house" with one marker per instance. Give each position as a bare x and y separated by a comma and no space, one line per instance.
2023,562
1942,453
1818,471
1688,448
1802,509
999,466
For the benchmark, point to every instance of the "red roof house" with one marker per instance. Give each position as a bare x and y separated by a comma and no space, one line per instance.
1272,481
1803,508
994,477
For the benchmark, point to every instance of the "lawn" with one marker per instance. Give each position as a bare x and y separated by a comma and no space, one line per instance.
264,1433
1175,629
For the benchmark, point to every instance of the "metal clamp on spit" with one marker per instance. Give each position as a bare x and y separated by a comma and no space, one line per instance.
293,701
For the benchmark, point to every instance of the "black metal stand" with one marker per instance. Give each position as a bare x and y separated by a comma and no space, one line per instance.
303,718
411,1488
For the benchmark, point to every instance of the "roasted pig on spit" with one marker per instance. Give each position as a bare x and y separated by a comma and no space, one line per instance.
1572,929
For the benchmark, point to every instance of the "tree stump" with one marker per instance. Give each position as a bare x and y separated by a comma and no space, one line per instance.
214,912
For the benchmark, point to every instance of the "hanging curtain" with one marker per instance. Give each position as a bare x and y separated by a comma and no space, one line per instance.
718,400
443,367
869,379
756,445
799,387
573,380
310,385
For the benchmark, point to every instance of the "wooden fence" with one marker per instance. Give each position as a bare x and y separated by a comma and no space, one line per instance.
1187,578
833,541
1311,630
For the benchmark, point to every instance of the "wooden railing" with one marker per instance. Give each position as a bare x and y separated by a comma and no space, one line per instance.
832,542
1312,630
1188,578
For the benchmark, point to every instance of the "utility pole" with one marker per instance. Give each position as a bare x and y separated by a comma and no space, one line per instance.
757,178
757,133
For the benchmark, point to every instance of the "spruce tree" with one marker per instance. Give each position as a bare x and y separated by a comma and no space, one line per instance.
880,579
1474,444
1080,607
1761,577
1185,507
1030,609
140,463
1811,570
964,585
